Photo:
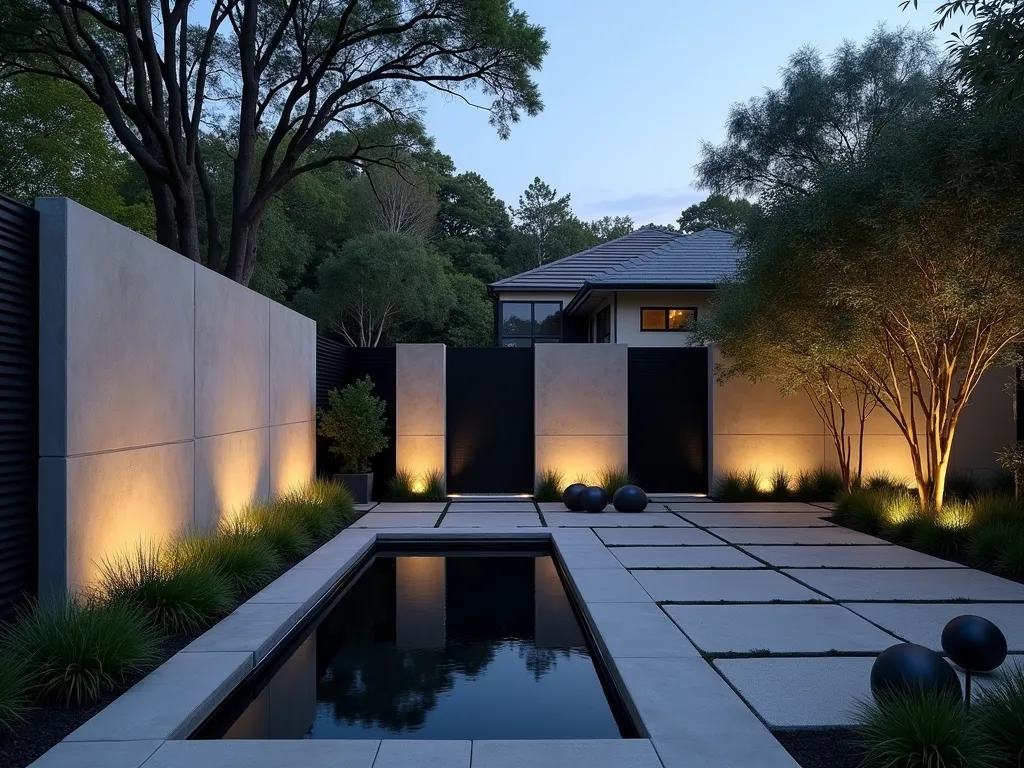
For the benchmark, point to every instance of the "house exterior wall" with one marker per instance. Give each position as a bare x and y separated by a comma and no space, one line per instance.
627,316
169,395
580,408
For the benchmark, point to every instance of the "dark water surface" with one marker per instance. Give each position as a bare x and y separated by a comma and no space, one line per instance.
461,646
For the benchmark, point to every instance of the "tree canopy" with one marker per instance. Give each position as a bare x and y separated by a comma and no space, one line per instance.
718,212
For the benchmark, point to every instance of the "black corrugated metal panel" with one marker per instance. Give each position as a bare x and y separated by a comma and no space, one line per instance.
19,401
489,413
668,418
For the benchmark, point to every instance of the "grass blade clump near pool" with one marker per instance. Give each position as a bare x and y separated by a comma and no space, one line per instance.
729,487
400,486
177,594
780,481
549,486
286,533
77,651
249,562
613,478
15,701
920,730
433,486
336,497
315,518
999,713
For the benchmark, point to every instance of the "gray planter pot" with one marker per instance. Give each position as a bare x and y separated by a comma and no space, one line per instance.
360,485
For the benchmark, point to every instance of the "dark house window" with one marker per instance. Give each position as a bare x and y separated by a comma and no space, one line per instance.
667,318
603,326
525,323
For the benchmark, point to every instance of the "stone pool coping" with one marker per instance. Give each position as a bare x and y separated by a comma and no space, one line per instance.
688,712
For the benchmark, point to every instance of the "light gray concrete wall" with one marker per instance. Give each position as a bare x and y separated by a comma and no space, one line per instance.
420,398
169,395
580,408
627,312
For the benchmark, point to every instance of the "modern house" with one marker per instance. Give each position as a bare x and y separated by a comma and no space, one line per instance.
640,292
642,289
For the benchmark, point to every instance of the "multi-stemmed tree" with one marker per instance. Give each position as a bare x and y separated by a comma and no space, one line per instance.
270,79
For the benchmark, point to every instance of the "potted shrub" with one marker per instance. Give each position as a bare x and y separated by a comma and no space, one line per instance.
354,423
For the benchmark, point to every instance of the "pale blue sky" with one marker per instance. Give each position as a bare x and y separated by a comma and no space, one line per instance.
630,88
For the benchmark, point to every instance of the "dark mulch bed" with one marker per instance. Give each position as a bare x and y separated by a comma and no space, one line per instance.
49,724
821,748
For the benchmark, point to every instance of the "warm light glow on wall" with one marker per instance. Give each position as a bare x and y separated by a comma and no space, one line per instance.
419,455
292,457
236,468
580,457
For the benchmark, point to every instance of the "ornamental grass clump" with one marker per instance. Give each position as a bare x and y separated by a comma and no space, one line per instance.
336,497
400,486
863,510
15,700
613,478
1010,556
178,594
285,532
249,562
729,487
946,533
315,518
984,542
433,486
780,482
999,713
549,486
920,730
76,651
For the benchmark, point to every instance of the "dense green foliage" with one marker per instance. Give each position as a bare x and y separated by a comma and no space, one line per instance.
999,712
921,730
354,423
249,562
718,212
550,485
76,651
820,484
15,701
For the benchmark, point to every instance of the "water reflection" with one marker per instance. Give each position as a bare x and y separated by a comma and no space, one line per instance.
457,647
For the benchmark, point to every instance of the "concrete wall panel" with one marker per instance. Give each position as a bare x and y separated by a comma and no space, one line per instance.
231,470
419,454
765,453
579,456
986,425
119,499
420,399
292,456
292,366
232,353
129,325
580,389
627,313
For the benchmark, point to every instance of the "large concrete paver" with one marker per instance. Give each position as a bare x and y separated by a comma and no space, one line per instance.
741,506
605,585
565,753
615,519
378,519
253,627
828,535
256,753
657,537
909,584
694,719
756,519
491,506
574,537
423,753
588,557
490,520
684,557
713,586
883,556
411,506
171,701
639,630
303,586
801,692
98,754
922,623
778,628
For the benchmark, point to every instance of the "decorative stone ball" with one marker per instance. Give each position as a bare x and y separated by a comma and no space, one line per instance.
974,643
630,498
910,667
593,499
571,497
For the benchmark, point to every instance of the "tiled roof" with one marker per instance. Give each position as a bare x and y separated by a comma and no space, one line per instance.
702,258
570,273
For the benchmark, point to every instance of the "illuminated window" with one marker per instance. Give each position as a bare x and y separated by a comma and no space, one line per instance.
667,318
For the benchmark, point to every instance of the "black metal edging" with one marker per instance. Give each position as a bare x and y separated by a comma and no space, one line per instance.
235,703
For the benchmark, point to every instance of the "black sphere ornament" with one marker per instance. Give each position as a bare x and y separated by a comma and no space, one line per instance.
629,498
974,643
594,499
909,667
571,497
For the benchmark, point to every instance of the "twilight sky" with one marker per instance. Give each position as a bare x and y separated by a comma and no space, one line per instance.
629,94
